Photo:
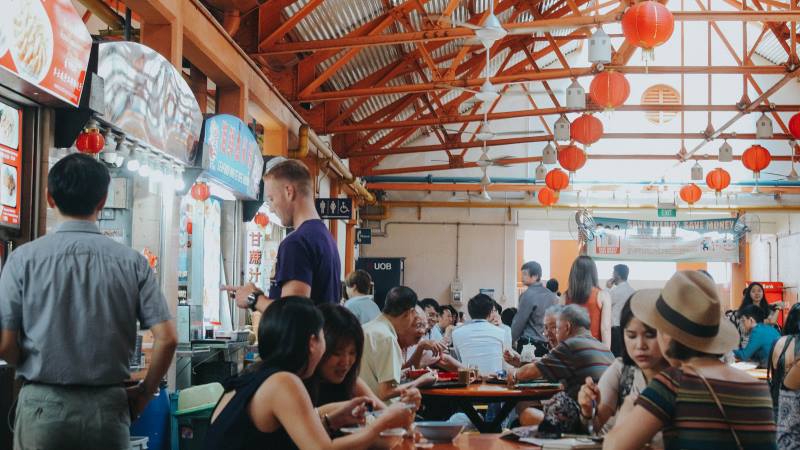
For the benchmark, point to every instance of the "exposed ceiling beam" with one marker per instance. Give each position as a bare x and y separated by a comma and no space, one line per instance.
545,74
461,118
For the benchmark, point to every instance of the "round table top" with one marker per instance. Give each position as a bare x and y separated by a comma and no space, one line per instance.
483,390
470,441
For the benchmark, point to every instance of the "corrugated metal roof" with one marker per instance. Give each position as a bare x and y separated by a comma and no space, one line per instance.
770,49
336,18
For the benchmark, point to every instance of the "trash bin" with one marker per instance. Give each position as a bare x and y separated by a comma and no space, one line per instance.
192,409
154,422
139,442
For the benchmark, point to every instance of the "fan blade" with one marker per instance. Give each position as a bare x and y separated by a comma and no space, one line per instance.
457,88
530,92
517,133
449,21
777,174
534,29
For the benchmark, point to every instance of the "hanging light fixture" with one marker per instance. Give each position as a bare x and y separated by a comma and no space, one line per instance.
600,47
763,127
697,171
561,129
549,154
133,161
541,172
725,152
576,96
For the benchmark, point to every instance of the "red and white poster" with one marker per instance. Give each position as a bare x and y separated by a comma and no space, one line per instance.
45,43
10,155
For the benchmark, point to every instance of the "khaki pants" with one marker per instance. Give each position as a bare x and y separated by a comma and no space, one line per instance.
64,418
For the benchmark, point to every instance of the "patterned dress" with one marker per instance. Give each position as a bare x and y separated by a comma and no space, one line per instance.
787,402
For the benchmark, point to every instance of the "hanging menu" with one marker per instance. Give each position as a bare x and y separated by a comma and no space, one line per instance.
10,138
46,44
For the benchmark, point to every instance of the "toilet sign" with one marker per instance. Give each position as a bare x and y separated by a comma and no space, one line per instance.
334,208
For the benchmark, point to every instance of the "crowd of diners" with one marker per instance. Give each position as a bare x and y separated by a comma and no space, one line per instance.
643,368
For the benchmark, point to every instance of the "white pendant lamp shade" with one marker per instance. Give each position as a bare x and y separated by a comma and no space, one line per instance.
697,172
576,96
541,172
600,47
561,129
549,154
725,152
763,127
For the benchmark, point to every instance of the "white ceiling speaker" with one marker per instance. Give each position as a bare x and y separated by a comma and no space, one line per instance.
561,129
725,152
576,96
764,127
697,172
549,154
600,47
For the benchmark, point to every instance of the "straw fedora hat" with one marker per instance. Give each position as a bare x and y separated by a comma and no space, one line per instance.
688,309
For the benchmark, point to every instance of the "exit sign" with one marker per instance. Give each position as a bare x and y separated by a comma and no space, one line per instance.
667,212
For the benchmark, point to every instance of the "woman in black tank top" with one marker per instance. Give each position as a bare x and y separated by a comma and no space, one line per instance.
269,407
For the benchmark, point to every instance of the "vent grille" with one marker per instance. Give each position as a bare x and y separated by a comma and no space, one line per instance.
661,94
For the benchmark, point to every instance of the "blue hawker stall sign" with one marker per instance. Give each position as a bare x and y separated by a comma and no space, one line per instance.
231,155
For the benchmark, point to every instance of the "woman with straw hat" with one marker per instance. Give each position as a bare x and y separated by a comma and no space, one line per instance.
700,402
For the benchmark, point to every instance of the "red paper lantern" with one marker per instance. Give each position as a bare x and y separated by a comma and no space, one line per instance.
571,157
547,197
691,193
756,158
200,191
189,227
586,129
261,219
718,179
794,125
609,89
647,25
90,141
556,180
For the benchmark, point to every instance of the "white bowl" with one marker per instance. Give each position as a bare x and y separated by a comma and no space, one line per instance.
439,431
388,439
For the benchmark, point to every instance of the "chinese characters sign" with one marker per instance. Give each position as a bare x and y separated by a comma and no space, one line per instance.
664,240
10,155
45,43
261,255
232,155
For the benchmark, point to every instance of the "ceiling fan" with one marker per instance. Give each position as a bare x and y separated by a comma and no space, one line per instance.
792,176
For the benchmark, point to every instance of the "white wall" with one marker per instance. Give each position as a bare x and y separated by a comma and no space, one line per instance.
485,249
788,256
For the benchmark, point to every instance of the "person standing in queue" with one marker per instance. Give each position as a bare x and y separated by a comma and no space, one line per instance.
68,316
308,259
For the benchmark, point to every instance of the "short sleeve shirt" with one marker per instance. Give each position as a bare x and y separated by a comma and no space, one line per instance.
74,297
309,254
382,359
692,420
575,359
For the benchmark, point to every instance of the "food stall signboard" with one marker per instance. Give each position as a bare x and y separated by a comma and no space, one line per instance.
664,240
231,155
46,44
10,142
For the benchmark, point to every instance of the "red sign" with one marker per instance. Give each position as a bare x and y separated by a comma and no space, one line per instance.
10,155
45,43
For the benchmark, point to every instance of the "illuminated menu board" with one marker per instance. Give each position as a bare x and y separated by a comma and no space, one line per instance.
10,142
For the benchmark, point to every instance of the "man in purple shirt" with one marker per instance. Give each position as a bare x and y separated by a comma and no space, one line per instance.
308,259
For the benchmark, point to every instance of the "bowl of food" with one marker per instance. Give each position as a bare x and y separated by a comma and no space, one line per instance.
439,431
414,374
387,439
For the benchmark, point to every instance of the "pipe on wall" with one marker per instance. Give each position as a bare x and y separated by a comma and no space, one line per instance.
323,151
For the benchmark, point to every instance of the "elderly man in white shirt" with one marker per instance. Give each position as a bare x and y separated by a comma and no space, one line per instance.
478,342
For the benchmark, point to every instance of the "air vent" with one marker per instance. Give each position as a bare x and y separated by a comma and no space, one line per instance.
661,94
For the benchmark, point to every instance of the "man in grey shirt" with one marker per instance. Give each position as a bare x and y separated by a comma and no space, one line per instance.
528,324
68,317
620,292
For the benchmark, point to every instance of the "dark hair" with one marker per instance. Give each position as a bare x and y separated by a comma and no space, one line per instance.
361,280
293,171
480,306
582,279
450,308
533,268
625,317
753,312
748,299
791,324
284,331
507,316
78,183
678,351
429,303
399,299
706,273
552,285
622,271
341,328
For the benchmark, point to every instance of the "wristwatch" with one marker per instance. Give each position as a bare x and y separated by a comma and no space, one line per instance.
252,299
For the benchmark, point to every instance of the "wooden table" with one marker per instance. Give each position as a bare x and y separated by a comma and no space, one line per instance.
471,441
466,398
760,374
